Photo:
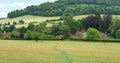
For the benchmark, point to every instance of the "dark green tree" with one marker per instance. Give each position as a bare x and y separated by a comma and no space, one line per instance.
29,35
21,22
115,26
12,28
118,34
36,36
31,26
14,23
97,18
70,22
56,30
64,30
41,27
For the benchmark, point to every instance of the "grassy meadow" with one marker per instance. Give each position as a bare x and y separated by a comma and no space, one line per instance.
31,18
15,51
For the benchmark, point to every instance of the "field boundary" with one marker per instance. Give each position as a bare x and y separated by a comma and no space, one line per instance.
98,40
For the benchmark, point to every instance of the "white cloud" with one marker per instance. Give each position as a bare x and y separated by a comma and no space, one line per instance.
3,14
14,4
7,7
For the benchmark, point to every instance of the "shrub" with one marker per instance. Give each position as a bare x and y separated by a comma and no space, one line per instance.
118,34
29,35
21,22
36,36
14,23
14,34
92,34
0,34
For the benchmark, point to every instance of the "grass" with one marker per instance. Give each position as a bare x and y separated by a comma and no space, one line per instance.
30,18
15,51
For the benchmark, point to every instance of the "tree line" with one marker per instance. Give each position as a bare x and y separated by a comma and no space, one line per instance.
75,7
92,24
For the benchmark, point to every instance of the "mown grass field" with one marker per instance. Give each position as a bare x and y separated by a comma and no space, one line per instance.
15,51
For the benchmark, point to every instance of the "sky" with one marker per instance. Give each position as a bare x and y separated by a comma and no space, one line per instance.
10,5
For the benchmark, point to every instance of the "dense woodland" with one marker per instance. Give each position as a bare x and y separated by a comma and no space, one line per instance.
75,7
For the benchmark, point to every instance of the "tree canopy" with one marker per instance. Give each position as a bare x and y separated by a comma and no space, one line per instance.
75,7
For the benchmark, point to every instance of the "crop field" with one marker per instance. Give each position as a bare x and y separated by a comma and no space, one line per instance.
15,51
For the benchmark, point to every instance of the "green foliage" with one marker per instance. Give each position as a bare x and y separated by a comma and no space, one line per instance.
0,24
118,34
31,26
41,27
61,30
29,35
75,7
0,29
11,28
97,16
115,26
93,33
55,30
70,22
0,34
22,29
81,24
36,36
15,34
64,30
21,22
5,28
14,23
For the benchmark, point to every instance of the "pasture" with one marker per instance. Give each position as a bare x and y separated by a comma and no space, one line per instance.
23,51
31,18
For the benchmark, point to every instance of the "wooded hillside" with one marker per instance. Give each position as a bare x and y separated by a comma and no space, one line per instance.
75,7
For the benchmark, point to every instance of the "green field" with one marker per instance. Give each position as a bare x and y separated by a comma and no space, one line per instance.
30,18
15,51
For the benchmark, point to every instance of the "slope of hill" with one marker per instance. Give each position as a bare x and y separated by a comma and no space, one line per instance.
31,18
27,19
75,7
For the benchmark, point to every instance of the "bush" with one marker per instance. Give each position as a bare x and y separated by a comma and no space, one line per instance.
21,22
92,34
29,35
118,34
14,23
0,34
36,36
14,34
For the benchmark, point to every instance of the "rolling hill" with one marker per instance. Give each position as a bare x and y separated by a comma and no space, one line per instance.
75,7
31,18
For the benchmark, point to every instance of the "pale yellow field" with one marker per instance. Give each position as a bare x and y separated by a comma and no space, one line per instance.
30,18
15,51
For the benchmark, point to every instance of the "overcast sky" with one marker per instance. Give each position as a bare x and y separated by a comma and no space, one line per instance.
9,5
